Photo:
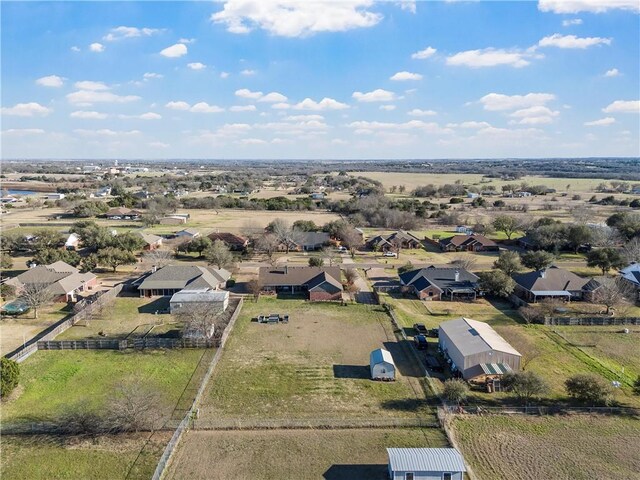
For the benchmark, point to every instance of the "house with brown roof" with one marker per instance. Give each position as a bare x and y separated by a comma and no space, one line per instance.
554,282
63,281
173,278
151,241
123,213
318,283
433,283
468,243
234,242
390,242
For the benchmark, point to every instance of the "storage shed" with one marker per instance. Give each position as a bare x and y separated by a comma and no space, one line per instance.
215,301
425,464
475,349
382,365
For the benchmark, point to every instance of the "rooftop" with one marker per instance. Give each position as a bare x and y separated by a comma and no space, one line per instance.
425,460
471,337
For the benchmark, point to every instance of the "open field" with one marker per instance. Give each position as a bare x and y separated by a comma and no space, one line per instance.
533,448
300,454
315,367
107,457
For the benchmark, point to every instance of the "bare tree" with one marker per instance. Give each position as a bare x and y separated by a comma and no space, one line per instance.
287,235
350,237
467,262
219,255
631,250
255,287
201,320
134,407
613,293
157,258
530,314
350,275
35,295
267,244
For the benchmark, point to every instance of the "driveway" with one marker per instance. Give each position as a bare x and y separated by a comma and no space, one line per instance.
364,294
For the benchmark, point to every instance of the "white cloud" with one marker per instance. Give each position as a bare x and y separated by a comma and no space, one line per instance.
150,75
246,93
158,145
90,85
50,81
293,18
403,76
75,49
378,95
536,115
324,104
408,5
592,6
96,47
247,72
178,105
89,97
175,51
86,115
144,116
243,108
365,127
224,74
424,54
623,106
105,132
470,125
491,57
304,118
416,112
570,22
387,107
29,109
571,41
281,106
119,33
614,72
187,41
273,97
498,101
196,66
204,107
251,141
602,122
21,132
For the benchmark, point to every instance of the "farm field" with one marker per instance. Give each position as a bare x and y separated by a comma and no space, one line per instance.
314,367
301,454
532,448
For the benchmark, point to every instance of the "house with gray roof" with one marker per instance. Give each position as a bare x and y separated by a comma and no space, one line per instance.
173,278
63,281
631,275
151,241
434,283
554,282
318,283
308,241
394,240
425,464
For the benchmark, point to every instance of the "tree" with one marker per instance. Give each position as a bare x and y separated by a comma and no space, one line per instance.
218,254
467,262
9,376
578,235
631,251
134,407
114,257
636,386
158,258
538,260
199,245
524,385
613,293
496,283
13,242
455,390
255,287
47,239
52,255
6,262
202,320
350,275
531,314
35,295
7,291
350,237
316,262
605,259
589,388
268,244
407,267
128,241
507,224
305,225
89,263
509,262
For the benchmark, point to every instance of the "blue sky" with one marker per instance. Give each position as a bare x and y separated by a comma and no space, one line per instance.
320,79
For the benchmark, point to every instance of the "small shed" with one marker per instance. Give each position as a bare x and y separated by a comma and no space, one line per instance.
215,301
382,365
425,464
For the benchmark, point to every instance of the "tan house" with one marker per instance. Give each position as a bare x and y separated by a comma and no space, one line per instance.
63,281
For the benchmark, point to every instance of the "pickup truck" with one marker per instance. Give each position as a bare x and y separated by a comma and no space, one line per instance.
420,342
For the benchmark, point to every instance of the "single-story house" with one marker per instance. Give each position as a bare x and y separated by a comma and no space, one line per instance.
188,233
434,283
470,243
631,275
319,283
554,282
309,241
392,241
173,220
72,242
103,192
234,242
122,213
151,241
63,281
55,196
476,350
382,365
215,301
425,464
318,196
171,279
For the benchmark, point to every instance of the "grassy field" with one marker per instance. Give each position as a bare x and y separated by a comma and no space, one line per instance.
102,458
317,366
533,448
308,454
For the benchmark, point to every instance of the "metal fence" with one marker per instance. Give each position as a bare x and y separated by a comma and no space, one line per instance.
309,423
592,321
541,410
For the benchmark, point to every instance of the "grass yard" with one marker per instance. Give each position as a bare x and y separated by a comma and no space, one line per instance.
299,454
317,366
533,448
108,457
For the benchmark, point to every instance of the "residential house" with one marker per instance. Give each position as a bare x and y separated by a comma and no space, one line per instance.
103,192
476,350
151,241
468,243
318,196
55,196
72,242
631,275
381,365
434,283
213,301
123,213
402,239
554,282
173,278
63,281
232,241
308,241
318,283
188,234
425,464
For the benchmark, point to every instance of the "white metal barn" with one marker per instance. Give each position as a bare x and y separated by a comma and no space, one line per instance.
425,464
216,301
382,365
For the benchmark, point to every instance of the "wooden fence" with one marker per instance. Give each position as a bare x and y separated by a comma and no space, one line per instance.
137,343
592,321
541,410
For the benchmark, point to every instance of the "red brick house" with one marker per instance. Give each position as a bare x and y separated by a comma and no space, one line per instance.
318,283
434,283
468,243
234,242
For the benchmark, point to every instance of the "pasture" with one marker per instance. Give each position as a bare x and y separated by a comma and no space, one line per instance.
531,448
301,454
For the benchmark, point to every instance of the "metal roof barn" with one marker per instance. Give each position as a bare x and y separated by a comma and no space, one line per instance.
425,463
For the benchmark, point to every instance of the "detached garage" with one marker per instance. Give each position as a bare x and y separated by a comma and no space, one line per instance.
382,365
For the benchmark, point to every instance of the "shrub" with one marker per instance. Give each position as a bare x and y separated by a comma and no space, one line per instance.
589,388
455,390
524,385
9,376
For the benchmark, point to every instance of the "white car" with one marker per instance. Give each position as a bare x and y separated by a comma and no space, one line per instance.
342,248
390,254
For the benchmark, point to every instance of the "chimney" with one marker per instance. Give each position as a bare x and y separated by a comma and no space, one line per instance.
457,276
543,273
154,269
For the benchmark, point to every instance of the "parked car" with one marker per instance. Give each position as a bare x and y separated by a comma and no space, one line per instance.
420,342
420,328
432,332
342,248
390,254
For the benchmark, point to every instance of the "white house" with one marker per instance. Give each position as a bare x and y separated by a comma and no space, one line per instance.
425,464
382,365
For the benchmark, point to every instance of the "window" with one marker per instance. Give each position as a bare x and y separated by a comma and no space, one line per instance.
408,476
431,294
447,476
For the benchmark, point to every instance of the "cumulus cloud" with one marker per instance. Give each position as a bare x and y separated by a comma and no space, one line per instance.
366,127
144,116
224,74
592,6
378,95
281,106
403,76
498,101
416,112
273,97
22,132
602,122
243,108
246,93
204,107
292,18
623,106
324,104
87,115
387,107
50,81
89,97
119,33
247,72
196,66
75,49
305,118
105,132
572,21
571,41
536,115
424,54
614,72
177,105
91,85
492,57
470,125
30,109
96,47
174,51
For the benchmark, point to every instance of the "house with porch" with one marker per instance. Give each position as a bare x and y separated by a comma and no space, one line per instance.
61,280
232,241
317,283
401,238
468,243
435,283
171,279
554,283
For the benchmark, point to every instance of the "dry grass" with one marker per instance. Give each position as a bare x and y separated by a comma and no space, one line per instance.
299,454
